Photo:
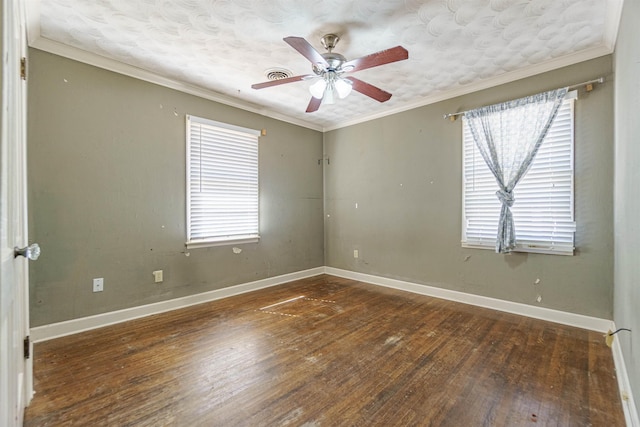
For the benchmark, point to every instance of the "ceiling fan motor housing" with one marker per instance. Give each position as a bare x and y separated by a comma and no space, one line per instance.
335,61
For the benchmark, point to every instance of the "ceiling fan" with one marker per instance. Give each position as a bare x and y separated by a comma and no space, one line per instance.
329,69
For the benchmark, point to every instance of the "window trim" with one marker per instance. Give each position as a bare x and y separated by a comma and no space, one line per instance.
224,240
206,243
571,97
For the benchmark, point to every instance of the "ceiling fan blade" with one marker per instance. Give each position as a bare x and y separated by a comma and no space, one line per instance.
281,81
394,54
314,104
306,50
370,90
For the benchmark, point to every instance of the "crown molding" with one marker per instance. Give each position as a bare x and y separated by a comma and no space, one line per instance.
70,52
612,23
502,79
614,12
32,17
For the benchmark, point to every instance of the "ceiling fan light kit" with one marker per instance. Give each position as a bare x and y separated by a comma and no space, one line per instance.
317,89
328,86
329,68
343,87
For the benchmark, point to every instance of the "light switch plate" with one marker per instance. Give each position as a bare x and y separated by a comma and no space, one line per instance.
158,276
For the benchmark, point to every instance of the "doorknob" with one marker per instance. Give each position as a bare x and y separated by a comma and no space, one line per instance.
31,252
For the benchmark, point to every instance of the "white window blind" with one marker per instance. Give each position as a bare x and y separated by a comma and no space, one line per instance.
543,210
222,183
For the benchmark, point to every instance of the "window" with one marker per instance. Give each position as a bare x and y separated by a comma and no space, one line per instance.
222,183
543,208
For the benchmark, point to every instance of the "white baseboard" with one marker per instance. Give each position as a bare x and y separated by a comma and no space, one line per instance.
556,316
74,326
628,403
562,317
56,330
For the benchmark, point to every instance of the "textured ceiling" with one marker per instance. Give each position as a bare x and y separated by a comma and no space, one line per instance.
224,46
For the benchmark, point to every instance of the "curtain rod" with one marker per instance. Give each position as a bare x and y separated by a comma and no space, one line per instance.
588,87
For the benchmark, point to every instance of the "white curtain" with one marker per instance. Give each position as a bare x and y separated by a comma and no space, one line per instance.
508,136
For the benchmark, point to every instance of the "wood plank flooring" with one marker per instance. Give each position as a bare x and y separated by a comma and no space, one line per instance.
327,351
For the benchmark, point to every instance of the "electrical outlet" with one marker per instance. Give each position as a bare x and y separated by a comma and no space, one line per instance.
608,338
98,284
157,276
356,254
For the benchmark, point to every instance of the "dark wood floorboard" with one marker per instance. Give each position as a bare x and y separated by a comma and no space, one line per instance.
327,351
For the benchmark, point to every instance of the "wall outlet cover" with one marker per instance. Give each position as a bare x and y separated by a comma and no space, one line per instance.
98,284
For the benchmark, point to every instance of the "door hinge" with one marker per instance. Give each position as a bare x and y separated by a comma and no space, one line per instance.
27,347
23,68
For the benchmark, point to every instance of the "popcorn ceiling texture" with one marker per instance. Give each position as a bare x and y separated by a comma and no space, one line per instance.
225,46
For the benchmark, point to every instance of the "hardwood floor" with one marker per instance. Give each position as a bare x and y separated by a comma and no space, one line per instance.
327,351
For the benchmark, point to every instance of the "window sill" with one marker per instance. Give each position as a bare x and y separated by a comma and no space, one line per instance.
525,249
206,243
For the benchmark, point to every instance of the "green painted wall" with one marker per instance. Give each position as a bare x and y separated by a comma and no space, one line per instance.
627,191
404,173
106,176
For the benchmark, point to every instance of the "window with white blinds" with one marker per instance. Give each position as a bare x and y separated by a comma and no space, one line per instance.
543,208
222,183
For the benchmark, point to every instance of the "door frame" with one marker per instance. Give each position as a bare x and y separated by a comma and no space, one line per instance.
16,378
